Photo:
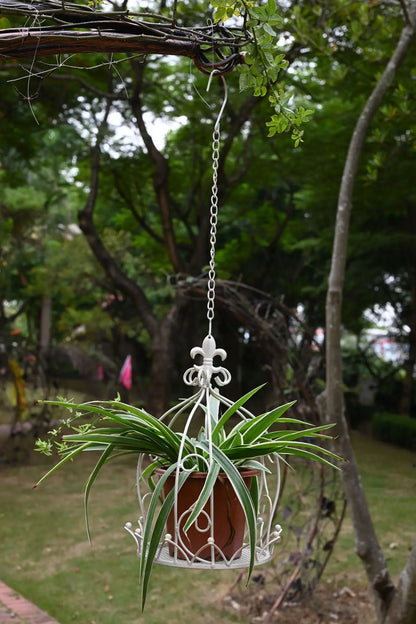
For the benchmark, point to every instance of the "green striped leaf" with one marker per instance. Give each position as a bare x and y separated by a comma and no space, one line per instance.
243,496
204,495
232,410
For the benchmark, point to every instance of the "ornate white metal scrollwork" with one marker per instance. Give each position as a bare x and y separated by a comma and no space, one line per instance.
268,534
201,375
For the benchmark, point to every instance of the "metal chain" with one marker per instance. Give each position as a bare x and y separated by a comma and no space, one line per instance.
216,137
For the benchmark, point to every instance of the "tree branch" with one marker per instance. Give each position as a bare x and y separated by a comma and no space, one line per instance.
79,28
36,42
160,176
405,10
112,270
130,204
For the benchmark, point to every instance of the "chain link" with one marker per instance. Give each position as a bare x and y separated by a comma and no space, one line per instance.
213,226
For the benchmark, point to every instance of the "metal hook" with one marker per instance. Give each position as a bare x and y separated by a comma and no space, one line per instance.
224,82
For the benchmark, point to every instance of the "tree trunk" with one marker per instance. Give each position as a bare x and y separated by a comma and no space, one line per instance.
44,339
162,370
383,592
402,609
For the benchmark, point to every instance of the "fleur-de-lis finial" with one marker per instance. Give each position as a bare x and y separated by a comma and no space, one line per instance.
201,375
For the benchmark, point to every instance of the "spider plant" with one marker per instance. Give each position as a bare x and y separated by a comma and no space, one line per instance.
219,446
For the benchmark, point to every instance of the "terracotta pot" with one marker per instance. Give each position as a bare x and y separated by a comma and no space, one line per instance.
229,518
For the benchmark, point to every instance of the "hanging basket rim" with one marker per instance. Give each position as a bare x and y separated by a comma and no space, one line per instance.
245,472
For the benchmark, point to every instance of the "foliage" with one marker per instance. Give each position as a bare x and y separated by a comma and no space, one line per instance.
277,209
122,429
263,68
277,203
395,429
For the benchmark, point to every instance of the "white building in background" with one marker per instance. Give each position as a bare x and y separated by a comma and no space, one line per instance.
385,345
382,341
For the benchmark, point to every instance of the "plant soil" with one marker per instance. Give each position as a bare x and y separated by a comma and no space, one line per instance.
327,605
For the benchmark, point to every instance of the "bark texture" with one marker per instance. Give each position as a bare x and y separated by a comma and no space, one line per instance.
68,28
393,605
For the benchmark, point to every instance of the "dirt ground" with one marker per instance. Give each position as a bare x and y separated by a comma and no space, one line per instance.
325,606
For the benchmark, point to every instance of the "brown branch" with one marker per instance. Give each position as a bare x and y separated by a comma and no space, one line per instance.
69,28
111,269
36,42
405,10
160,175
112,33
130,204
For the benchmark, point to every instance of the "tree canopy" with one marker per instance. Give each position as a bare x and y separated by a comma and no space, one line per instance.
106,176
123,148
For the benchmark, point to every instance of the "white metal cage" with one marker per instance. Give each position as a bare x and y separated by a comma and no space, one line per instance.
214,543
204,530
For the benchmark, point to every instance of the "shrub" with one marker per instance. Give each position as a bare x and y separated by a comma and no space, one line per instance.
395,429
357,414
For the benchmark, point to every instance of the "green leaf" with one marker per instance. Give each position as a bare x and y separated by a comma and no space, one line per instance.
232,410
154,527
255,465
254,492
281,447
102,460
204,495
253,429
245,81
271,7
269,30
220,14
243,496
63,461
44,446
287,434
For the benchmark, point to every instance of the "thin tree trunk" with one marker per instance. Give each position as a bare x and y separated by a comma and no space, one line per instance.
44,339
160,172
383,592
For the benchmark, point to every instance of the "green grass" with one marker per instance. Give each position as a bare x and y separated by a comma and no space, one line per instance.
389,479
45,555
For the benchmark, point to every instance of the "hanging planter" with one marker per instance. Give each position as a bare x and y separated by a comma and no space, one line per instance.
225,461
208,470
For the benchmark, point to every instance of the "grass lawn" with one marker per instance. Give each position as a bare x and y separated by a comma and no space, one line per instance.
389,479
45,555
